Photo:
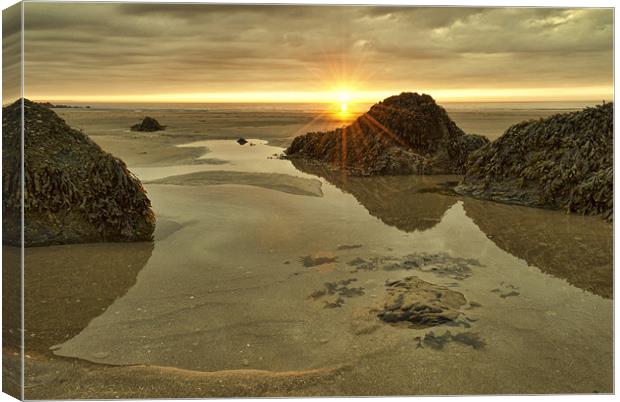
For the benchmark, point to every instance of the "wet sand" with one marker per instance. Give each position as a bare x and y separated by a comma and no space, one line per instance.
224,303
273,181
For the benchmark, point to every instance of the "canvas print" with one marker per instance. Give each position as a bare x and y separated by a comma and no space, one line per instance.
227,200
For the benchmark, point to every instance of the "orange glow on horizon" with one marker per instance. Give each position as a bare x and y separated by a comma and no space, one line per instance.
596,93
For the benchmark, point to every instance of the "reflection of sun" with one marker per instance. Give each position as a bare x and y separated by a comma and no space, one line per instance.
344,98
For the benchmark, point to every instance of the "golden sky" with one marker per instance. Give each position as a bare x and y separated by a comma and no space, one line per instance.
217,53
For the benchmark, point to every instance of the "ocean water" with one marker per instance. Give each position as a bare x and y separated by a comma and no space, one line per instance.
321,107
486,118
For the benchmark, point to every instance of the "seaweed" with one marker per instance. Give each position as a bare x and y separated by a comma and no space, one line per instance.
65,172
564,161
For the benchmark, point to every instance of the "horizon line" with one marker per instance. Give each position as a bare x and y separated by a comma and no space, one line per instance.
71,101
350,96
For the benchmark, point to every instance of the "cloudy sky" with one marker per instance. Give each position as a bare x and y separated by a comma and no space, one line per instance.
159,52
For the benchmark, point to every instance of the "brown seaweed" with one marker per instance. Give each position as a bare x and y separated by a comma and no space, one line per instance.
67,175
563,161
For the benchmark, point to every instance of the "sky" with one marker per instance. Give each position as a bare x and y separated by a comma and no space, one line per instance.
217,53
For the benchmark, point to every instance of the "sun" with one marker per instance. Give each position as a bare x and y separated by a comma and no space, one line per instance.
343,98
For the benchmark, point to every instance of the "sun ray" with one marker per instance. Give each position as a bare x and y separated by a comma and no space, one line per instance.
383,129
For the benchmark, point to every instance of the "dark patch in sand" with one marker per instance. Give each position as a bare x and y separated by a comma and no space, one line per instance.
506,290
373,263
165,228
339,289
308,261
441,264
437,342
349,246
459,323
208,161
357,261
335,304
509,294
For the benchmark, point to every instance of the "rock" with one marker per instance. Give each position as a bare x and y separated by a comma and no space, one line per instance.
562,162
74,191
420,303
309,261
242,141
404,134
149,124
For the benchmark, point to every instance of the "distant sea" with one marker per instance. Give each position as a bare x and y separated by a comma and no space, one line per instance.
486,118
322,107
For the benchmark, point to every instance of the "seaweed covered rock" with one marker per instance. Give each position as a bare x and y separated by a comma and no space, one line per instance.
563,162
420,304
404,134
148,124
74,191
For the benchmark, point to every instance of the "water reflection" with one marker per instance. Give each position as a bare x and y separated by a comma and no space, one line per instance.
576,248
67,286
11,320
409,203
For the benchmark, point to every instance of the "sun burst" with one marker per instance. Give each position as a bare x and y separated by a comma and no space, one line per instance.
344,97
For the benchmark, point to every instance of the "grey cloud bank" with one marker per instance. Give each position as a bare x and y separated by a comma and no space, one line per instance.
118,50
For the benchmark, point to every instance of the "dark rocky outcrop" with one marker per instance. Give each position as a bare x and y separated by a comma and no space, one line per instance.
563,162
404,134
74,191
149,124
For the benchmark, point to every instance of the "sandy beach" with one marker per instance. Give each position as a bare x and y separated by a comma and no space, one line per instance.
265,278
